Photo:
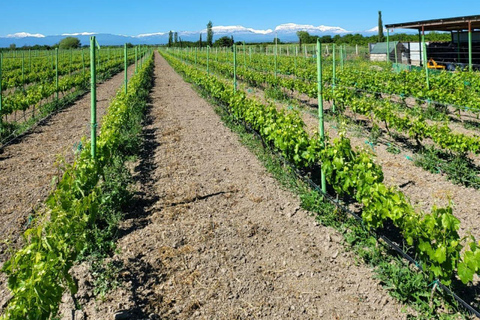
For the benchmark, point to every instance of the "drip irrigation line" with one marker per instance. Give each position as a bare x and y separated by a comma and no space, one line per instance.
392,245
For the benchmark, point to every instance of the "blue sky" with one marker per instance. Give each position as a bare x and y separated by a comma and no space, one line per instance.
148,16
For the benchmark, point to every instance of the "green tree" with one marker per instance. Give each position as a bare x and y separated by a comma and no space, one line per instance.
200,41
170,38
224,42
209,33
304,37
13,46
175,38
381,37
69,43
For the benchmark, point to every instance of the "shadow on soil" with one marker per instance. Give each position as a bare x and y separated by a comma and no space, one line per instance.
140,273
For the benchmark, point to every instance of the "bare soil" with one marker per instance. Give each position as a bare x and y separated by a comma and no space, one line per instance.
27,166
213,236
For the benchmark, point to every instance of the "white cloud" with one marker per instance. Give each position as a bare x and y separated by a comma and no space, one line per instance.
79,34
292,27
25,35
150,34
236,29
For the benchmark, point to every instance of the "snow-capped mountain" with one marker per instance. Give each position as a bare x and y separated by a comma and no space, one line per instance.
285,32
25,35
293,28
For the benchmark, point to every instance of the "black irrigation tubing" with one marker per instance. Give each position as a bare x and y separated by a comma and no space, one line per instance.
331,199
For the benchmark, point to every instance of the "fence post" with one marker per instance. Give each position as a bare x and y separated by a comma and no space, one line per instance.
93,88
125,67
234,68
321,129
208,60
56,73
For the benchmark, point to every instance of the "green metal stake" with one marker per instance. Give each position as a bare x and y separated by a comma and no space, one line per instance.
295,59
470,46
340,52
83,64
388,45
425,64
71,58
333,77
93,88
208,58
244,56
306,53
56,73
234,68
23,67
276,59
126,67
136,58
250,53
30,60
396,54
1,114
321,128
458,46
196,53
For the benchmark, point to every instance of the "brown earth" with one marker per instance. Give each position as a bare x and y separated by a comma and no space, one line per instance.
213,236
27,166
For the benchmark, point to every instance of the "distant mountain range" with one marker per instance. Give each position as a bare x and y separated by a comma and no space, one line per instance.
285,32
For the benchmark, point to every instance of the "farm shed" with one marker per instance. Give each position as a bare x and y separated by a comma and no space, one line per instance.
378,51
464,48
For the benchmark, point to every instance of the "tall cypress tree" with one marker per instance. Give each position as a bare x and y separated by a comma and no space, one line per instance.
381,37
200,41
209,33
175,37
170,38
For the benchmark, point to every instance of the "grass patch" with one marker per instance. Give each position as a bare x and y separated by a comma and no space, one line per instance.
458,168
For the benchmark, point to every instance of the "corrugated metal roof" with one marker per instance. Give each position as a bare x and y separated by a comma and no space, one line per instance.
446,24
381,47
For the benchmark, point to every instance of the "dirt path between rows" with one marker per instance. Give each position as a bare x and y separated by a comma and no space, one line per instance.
27,166
214,237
